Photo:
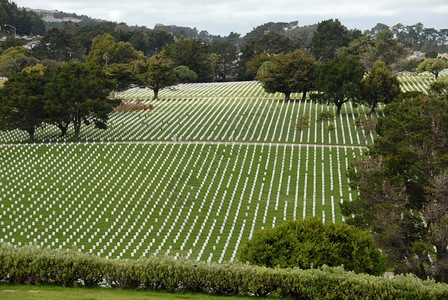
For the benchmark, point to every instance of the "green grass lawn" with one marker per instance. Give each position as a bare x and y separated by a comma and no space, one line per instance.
24,292
127,200
195,200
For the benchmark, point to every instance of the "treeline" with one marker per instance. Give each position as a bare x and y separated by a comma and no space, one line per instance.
25,22
32,265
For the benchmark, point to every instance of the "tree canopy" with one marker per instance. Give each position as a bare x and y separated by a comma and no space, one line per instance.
339,81
309,243
433,65
288,73
160,74
78,94
330,35
22,102
402,185
380,86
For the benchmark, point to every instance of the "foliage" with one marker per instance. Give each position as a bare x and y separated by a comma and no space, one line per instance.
33,265
310,243
325,115
105,51
190,53
185,75
160,74
21,102
78,94
26,21
226,57
379,86
381,46
330,35
288,73
303,122
402,186
433,65
270,43
439,87
128,106
366,123
339,81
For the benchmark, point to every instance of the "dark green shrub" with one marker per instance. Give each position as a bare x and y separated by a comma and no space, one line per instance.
310,243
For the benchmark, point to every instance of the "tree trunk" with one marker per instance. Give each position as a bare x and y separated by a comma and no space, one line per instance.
303,95
156,94
339,108
77,127
372,110
63,128
287,97
31,132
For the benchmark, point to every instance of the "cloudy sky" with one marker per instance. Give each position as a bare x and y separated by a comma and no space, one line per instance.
241,16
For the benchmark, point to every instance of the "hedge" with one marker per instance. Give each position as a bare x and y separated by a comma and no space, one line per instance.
33,265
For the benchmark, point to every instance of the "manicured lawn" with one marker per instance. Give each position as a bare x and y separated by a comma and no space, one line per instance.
21,292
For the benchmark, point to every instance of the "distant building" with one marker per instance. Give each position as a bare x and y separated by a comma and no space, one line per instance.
416,55
443,55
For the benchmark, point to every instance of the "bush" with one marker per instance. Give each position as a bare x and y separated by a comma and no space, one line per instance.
325,115
303,122
33,265
310,243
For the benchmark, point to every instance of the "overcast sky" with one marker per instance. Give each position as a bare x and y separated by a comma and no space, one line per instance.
241,16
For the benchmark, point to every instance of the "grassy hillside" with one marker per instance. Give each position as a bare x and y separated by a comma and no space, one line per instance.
193,178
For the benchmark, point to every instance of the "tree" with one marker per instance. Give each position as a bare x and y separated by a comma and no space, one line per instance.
379,86
433,65
22,102
190,53
330,35
78,94
309,243
377,46
439,87
288,73
105,51
339,81
270,43
402,186
226,55
184,74
160,74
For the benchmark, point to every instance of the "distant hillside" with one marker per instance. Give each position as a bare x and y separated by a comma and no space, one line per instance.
56,19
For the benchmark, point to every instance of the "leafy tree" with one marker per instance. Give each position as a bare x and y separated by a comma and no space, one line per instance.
22,102
226,56
184,74
8,66
402,184
26,22
61,45
270,43
160,74
288,73
433,65
379,86
439,87
106,51
190,53
309,243
339,81
330,35
377,46
78,94
253,65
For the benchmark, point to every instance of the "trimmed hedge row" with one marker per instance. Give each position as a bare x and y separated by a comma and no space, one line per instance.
33,265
